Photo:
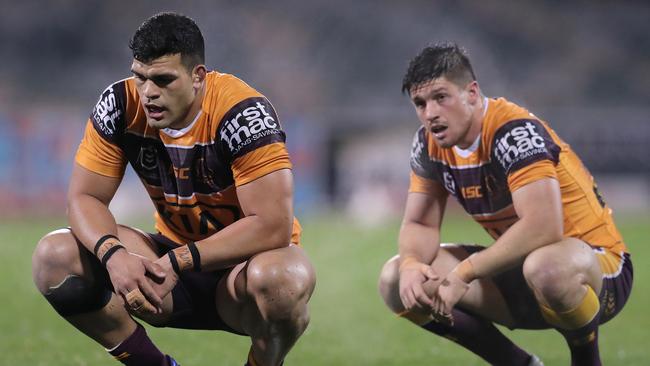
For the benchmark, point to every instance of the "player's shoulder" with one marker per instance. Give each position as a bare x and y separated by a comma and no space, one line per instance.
226,90
502,117
115,108
501,111
515,137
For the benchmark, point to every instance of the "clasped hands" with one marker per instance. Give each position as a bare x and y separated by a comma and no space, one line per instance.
141,282
422,290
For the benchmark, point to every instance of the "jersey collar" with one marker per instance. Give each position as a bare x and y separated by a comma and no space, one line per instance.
179,133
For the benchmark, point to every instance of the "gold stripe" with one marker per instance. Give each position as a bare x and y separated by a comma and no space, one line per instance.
122,356
610,262
575,318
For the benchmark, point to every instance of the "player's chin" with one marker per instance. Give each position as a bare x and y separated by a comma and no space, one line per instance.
445,144
158,123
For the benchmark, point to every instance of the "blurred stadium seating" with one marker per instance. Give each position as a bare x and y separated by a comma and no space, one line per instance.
333,71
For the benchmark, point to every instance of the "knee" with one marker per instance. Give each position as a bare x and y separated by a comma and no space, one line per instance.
53,258
548,278
389,284
281,288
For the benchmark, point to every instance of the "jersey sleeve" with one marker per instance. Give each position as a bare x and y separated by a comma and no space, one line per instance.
531,173
424,172
99,151
252,140
521,143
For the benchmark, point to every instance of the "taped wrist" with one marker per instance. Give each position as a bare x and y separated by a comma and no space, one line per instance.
185,258
106,246
465,271
406,261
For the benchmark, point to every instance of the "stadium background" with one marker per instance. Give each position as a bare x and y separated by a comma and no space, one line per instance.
333,71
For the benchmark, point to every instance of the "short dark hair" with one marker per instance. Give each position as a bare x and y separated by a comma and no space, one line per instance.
167,34
442,59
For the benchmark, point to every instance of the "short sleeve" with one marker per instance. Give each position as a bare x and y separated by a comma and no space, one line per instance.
99,151
260,162
100,156
252,140
520,143
531,173
421,163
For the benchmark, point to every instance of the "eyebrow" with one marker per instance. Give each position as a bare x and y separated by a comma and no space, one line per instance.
164,75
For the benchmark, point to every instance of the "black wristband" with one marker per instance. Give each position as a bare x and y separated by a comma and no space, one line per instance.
109,253
173,261
102,240
196,257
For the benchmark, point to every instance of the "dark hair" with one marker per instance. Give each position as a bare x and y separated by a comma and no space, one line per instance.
168,34
443,59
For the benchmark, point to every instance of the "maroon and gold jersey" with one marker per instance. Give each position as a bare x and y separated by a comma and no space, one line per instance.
190,174
514,149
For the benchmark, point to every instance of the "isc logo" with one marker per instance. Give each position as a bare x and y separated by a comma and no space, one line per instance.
518,143
106,113
247,125
471,192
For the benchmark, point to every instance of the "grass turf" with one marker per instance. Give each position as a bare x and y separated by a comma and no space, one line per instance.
349,326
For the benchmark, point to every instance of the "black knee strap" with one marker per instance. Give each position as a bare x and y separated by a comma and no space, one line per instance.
76,295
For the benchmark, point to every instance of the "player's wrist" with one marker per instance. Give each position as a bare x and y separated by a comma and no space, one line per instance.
106,247
407,262
465,271
185,258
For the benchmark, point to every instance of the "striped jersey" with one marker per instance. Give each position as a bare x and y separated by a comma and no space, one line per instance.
514,148
189,174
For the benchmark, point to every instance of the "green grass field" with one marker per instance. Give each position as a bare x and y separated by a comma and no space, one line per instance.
349,326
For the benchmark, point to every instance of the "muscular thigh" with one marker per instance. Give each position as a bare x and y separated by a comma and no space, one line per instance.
571,260
235,303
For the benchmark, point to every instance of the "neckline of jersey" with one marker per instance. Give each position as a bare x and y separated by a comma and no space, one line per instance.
464,153
180,133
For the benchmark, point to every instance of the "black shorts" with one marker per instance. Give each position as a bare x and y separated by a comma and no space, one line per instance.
195,302
617,285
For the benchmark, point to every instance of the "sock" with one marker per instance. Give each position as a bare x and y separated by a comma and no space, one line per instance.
481,337
138,350
579,327
251,360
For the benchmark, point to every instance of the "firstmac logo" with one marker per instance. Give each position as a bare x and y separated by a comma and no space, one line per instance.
249,125
519,143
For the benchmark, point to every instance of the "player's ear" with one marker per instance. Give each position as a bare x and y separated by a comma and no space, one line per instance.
473,91
198,75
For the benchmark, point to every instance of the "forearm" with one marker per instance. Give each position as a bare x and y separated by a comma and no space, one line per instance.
419,242
90,219
241,240
508,251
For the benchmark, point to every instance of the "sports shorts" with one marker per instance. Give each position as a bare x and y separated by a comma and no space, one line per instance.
194,295
617,284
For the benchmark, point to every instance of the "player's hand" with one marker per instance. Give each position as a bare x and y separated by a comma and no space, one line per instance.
129,275
171,278
413,275
451,290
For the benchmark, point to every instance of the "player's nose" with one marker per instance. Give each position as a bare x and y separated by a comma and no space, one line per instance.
150,90
431,112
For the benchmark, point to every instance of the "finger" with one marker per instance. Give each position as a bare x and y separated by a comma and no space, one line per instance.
437,307
150,294
154,269
431,274
137,303
429,287
409,299
446,319
422,298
